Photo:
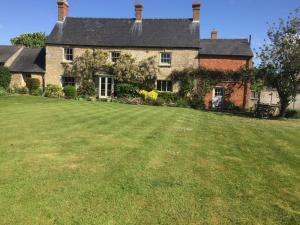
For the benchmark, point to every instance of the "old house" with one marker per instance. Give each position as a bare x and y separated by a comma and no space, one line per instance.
23,63
175,42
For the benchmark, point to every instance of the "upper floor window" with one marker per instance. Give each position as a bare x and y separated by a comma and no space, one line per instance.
165,58
254,95
115,56
68,54
164,86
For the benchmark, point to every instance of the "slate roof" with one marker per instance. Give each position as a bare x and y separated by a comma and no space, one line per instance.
225,47
29,61
6,52
104,32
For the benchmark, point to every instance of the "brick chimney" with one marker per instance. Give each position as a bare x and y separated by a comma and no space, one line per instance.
196,12
214,35
139,12
63,9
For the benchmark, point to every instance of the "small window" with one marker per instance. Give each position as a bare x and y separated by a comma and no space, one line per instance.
68,81
68,54
219,91
164,86
115,56
165,58
26,76
254,95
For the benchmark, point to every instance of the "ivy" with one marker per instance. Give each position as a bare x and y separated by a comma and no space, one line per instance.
200,81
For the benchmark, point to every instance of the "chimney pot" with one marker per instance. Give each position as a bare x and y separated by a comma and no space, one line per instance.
196,12
214,35
63,9
139,12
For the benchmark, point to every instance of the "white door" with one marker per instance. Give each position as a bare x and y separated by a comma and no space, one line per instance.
218,97
106,87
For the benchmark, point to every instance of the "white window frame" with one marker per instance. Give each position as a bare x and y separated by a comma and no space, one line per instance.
167,81
165,58
68,54
111,56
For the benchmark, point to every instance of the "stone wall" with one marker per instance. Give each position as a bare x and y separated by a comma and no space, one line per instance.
18,81
180,59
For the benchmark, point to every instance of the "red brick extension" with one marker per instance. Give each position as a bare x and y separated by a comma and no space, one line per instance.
235,92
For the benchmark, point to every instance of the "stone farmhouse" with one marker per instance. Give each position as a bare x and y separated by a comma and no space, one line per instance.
176,44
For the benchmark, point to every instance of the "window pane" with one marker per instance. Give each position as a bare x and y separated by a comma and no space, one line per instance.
165,58
115,56
164,85
170,86
68,54
68,81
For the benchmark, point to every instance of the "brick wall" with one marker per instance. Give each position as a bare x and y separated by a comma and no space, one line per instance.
235,92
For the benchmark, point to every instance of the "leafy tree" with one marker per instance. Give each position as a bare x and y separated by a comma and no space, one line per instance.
149,69
5,77
86,67
126,70
280,58
30,40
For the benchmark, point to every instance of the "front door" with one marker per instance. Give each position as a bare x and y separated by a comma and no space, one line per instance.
106,86
218,97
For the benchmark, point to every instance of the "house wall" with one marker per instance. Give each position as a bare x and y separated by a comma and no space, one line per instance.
181,58
235,92
18,81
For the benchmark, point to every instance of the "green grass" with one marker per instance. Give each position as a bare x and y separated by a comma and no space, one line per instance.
77,162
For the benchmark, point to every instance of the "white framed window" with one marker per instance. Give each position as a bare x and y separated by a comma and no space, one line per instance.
68,54
164,85
115,56
165,58
254,95
219,91
66,81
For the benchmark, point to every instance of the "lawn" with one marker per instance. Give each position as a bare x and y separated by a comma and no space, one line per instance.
78,162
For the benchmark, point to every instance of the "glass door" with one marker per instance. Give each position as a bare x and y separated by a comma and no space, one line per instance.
106,86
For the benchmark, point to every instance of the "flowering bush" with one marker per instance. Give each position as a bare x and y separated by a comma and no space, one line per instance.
152,95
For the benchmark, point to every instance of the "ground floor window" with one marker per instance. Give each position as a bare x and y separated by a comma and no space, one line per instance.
254,95
164,86
66,81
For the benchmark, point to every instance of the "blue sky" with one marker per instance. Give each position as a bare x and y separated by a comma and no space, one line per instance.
232,18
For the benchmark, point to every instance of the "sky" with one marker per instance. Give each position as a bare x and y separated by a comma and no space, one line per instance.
231,18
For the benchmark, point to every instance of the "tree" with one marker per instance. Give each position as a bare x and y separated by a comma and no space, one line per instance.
86,67
30,40
149,69
126,70
5,77
280,58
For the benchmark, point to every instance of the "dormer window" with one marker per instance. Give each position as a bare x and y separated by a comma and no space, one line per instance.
115,56
68,54
165,58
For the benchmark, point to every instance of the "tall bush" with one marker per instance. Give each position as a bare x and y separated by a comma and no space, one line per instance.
33,84
70,91
5,77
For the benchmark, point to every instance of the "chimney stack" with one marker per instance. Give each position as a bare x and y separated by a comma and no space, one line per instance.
63,9
196,12
214,35
139,12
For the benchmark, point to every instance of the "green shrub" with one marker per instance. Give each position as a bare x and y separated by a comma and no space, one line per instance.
37,92
196,102
70,91
126,90
5,77
54,91
11,90
87,89
182,102
294,114
22,90
230,106
33,84
169,97
3,91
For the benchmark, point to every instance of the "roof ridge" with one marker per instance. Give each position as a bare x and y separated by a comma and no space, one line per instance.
111,18
224,39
